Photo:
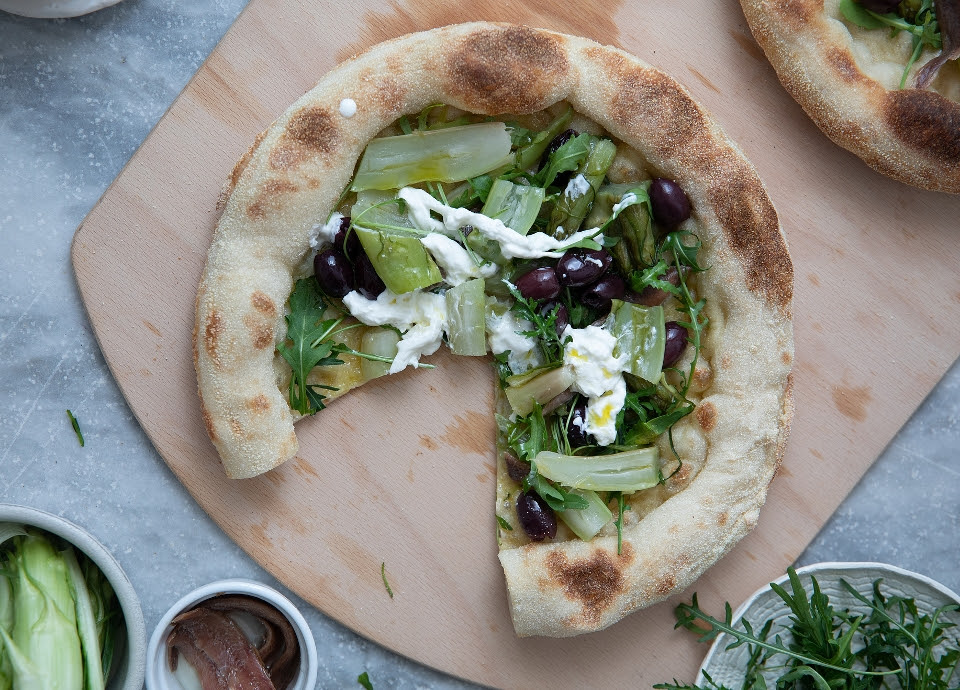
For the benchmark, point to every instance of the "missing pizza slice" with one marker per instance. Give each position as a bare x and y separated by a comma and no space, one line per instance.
562,207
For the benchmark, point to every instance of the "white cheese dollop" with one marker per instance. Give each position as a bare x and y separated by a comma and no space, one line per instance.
324,234
625,200
455,261
577,187
423,315
513,245
503,334
597,375
348,107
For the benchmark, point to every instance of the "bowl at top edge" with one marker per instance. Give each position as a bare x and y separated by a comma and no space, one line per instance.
727,666
129,674
54,9
158,674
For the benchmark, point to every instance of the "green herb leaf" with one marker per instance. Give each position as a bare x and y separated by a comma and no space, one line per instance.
383,576
76,427
364,680
566,158
544,327
307,346
504,524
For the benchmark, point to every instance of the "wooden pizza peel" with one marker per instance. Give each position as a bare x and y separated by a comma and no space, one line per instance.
402,472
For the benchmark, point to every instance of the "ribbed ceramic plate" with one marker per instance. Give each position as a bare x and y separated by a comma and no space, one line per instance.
727,666
54,9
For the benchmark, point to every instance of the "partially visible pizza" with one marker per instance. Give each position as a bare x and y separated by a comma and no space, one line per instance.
565,208
881,78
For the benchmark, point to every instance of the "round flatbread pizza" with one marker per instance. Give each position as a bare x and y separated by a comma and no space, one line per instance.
883,83
564,209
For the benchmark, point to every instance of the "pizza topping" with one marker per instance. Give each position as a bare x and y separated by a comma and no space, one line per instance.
670,204
530,259
919,18
348,107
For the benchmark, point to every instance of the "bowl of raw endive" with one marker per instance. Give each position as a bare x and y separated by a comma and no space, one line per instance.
69,617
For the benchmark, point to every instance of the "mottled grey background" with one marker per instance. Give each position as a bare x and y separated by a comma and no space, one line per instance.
77,97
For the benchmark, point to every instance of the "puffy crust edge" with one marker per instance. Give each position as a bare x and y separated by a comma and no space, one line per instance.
910,135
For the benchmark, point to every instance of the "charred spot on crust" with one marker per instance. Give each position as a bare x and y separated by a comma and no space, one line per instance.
238,170
261,334
706,415
258,404
310,131
665,585
390,96
927,122
595,581
267,197
842,62
752,228
263,304
509,69
211,336
207,421
647,100
798,11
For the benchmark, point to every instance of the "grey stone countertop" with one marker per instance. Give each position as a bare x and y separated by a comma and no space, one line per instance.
76,99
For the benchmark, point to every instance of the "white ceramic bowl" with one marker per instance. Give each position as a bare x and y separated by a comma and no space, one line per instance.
159,676
130,674
53,9
726,667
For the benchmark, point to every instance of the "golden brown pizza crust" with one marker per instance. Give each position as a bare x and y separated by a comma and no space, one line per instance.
847,80
730,447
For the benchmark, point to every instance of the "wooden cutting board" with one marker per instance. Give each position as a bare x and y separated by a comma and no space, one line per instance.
403,473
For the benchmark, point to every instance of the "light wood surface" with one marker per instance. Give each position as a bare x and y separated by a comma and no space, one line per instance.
402,473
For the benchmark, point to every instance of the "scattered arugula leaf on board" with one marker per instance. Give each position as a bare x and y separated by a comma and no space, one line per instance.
76,427
383,576
364,680
893,645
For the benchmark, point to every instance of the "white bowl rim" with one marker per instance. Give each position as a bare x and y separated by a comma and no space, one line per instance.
813,569
97,552
54,9
308,647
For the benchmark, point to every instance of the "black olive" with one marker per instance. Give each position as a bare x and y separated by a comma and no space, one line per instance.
577,426
582,266
333,272
563,316
670,203
516,468
676,343
601,293
880,6
540,283
536,517
349,244
368,283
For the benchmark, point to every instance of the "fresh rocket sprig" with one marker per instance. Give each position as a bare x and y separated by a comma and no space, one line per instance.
892,645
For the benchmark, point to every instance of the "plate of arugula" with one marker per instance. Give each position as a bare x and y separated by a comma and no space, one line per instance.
832,625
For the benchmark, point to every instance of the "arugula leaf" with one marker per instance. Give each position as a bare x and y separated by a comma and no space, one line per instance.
383,576
544,327
504,524
76,427
558,498
306,347
364,680
566,158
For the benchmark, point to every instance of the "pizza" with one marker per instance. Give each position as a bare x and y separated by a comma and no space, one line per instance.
564,209
880,78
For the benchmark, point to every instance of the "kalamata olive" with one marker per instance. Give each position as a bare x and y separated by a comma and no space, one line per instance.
676,343
880,6
600,294
559,141
368,282
651,296
349,244
670,203
582,266
536,517
540,283
563,316
577,426
334,273
516,468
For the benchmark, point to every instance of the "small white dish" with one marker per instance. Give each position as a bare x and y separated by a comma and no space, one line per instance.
54,9
726,667
130,674
159,676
